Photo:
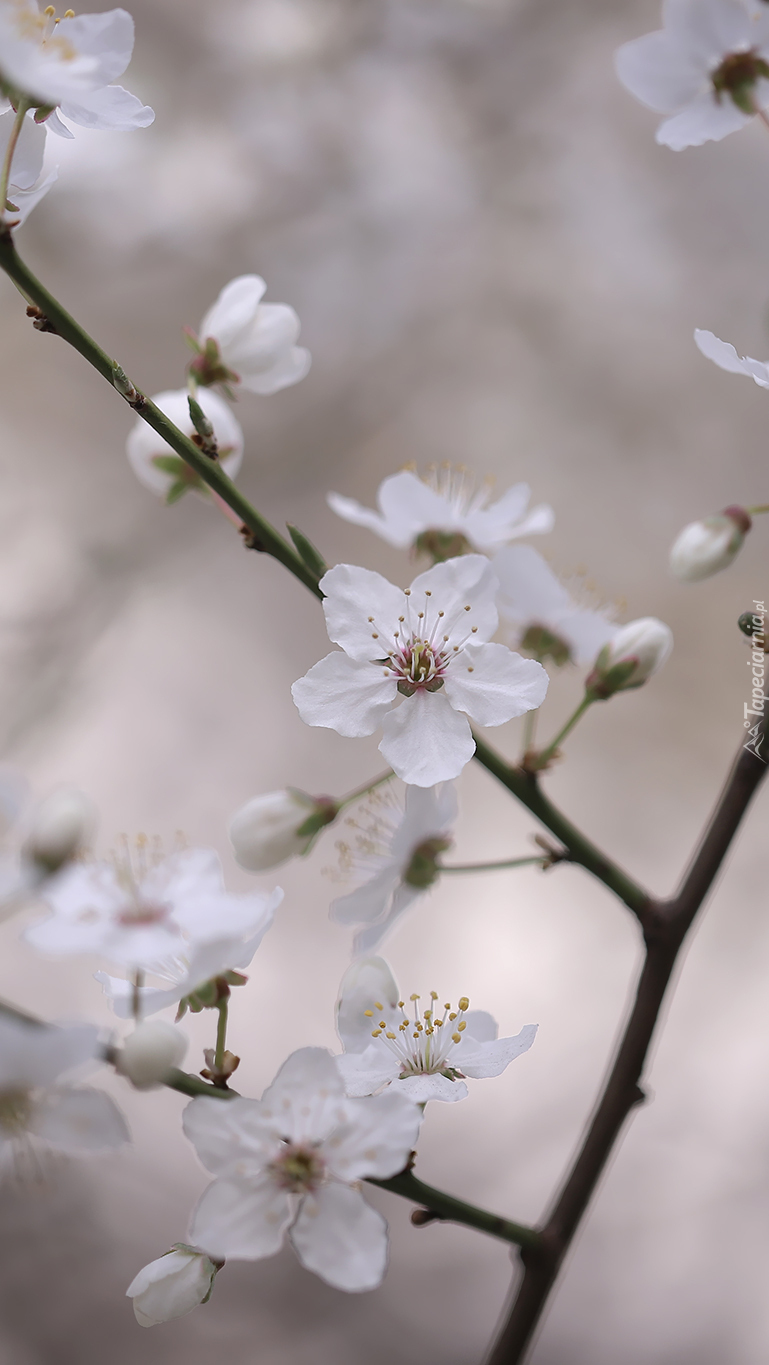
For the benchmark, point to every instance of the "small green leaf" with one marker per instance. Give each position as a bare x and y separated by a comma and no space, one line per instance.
176,491
310,556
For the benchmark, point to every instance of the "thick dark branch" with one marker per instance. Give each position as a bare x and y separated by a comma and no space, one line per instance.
667,924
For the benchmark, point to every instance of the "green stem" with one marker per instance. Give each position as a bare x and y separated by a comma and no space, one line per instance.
544,756
452,1210
187,1084
494,867
221,1032
263,536
5,172
358,792
529,730
526,788
756,511
136,997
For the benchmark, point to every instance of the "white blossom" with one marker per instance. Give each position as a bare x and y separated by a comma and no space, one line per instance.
723,354
46,836
26,185
292,1162
159,468
708,546
429,645
150,1052
636,651
150,913
267,831
254,342
446,513
37,1104
422,1053
546,619
708,68
393,848
171,1286
69,63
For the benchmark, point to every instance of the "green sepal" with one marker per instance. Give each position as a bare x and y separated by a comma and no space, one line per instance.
307,551
423,868
176,491
318,821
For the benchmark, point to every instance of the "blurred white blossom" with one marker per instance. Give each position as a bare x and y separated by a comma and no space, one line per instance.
429,645
422,1053
293,1161
148,1054
547,620
723,354
69,63
250,344
36,1104
164,472
271,828
25,185
393,847
445,514
708,546
708,68
171,1286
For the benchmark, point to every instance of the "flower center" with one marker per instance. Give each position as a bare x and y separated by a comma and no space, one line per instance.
420,649
15,1108
424,1044
298,1169
141,913
44,28
737,76
543,644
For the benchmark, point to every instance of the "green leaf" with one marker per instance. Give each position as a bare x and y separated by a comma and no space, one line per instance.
310,556
170,464
176,491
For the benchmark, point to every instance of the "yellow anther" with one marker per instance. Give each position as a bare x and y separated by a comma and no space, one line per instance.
429,1030
439,1023
433,995
407,592
447,1006
390,1035
401,1003
474,630
50,11
428,592
376,1033
456,1037
453,1016
374,636
467,608
461,1027
464,1003
378,1005
416,1035
69,14
427,1014
402,1028
383,1023
369,1014
370,619
414,997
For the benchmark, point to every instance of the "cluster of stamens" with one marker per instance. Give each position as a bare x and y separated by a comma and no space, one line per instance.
298,1169
133,863
43,26
419,650
424,1043
459,486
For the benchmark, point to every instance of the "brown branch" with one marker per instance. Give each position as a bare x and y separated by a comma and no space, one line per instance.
666,926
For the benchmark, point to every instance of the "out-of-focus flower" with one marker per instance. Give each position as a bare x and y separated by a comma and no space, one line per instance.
723,354
424,1054
36,1104
249,344
68,63
547,620
708,68
150,1052
293,1161
172,1286
276,826
157,466
146,913
48,836
708,546
636,651
25,186
394,847
428,644
446,515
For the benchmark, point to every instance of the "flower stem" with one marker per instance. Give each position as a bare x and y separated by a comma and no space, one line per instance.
529,730
358,792
5,171
543,757
448,1209
756,511
261,535
221,1033
540,858
136,998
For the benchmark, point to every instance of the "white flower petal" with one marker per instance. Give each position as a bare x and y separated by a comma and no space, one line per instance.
368,902
352,596
241,1220
233,311
481,1026
709,29
529,591
704,120
425,740
303,1102
402,898
362,984
658,72
366,1072
111,108
490,1058
465,589
227,1131
723,354
341,1238
79,1120
37,1055
420,1089
288,369
170,1286
377,1138
354,512
343,695
492,684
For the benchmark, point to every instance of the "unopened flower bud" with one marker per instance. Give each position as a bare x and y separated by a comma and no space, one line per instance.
172,1286
708,546
631,656
150,1052
61,827
280,825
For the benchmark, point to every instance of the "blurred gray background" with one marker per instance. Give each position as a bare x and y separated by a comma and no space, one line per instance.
495,265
